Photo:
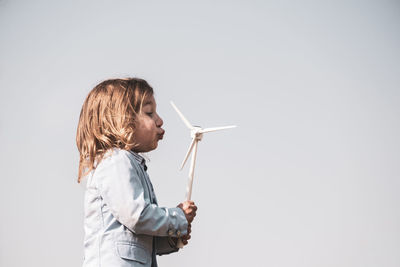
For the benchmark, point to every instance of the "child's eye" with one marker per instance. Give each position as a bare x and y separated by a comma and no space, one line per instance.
150,114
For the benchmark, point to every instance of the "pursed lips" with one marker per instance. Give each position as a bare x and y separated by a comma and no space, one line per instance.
161,135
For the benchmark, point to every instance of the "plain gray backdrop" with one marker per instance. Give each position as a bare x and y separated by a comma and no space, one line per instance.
309,178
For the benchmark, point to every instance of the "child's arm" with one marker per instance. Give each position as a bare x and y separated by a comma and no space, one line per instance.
122,190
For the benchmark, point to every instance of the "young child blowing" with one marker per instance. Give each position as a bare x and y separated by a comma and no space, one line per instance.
124,226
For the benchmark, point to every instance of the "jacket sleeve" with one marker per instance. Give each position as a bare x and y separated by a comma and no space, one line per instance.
122,190
165,245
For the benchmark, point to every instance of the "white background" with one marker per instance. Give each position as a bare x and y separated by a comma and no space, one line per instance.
309,178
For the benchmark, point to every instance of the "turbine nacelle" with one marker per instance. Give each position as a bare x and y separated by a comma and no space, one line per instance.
196,132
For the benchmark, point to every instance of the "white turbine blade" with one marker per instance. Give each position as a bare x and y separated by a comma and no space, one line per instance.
188,152
182,117
207,130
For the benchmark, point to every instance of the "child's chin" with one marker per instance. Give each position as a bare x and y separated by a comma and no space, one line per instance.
154,146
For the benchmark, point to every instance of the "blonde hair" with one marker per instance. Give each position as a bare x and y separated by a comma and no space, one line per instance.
107,119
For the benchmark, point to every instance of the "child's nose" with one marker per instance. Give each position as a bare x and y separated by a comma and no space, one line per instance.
159,121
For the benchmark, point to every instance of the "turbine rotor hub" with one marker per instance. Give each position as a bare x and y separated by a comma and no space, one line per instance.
196,133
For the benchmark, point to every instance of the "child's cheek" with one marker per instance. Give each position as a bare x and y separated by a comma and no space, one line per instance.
150,125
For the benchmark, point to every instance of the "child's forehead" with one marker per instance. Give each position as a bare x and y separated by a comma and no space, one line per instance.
149,100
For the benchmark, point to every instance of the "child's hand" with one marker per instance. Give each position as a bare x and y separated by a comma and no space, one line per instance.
186,237
189,208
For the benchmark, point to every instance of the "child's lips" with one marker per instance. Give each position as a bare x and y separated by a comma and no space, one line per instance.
161,135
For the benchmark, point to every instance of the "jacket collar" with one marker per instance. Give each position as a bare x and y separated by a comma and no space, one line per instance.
139,159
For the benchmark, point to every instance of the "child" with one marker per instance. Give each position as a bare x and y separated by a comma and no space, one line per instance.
123,224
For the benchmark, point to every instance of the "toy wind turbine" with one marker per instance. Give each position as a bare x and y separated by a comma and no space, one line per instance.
196,132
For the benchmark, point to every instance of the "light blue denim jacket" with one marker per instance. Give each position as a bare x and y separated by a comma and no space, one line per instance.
123,224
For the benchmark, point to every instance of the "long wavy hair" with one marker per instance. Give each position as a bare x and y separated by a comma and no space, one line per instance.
107,119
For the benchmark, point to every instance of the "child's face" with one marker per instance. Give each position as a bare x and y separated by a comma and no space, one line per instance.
148,127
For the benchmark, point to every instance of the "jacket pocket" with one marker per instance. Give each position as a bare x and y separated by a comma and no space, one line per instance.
132,251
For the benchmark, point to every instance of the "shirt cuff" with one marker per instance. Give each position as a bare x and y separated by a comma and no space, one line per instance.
180,227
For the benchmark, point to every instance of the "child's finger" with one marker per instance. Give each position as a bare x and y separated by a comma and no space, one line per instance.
190,211
188,203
